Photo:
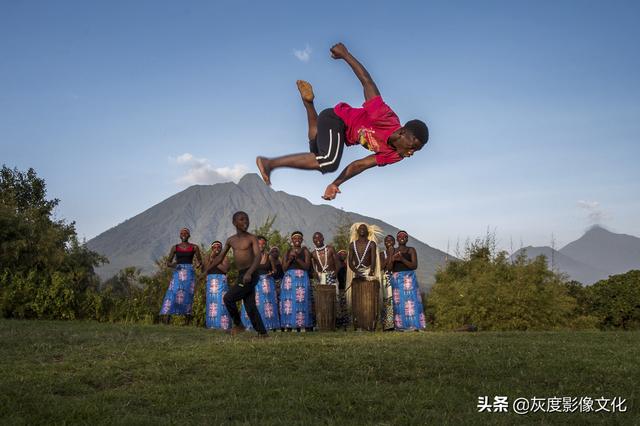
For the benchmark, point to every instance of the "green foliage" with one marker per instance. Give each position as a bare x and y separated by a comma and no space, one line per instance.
44,271
273,236
340,239
616,301
486,289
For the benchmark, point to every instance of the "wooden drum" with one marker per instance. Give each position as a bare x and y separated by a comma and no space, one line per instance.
325,298
365,300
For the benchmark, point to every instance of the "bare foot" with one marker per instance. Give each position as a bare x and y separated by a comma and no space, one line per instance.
265,170
306,91
237,329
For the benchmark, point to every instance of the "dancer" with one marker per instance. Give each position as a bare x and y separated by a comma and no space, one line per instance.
266,298
325,265
295,298
374,126
246,252
387,291
324,260
178,299
217,315
363,276
407,303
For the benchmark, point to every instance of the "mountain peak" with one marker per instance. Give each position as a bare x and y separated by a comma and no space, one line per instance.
598,229
250,179
207,210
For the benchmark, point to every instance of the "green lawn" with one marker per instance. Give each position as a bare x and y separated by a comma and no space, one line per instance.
86,372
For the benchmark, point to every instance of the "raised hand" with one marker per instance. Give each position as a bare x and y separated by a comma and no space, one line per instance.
331,192
339,51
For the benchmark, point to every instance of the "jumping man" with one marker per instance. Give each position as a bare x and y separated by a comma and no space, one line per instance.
374,126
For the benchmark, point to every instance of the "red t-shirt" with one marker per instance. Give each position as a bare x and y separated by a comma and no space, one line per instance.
371,126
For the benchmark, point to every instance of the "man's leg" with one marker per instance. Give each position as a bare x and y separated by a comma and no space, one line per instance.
250,305
329,142
303,161
306,93
235,293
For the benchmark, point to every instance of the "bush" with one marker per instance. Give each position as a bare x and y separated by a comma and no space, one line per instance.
616,301
490,291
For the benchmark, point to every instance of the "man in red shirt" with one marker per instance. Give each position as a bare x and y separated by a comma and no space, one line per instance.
374,126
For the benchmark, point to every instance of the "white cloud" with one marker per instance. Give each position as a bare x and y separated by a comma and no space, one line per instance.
201,171
595,213
303,55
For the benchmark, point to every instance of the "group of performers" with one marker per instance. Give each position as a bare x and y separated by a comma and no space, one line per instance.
303,288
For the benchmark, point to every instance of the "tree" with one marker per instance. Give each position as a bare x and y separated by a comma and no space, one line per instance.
340,239
274,237
616,301
44,270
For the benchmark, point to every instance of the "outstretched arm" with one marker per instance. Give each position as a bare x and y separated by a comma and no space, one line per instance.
353,169
339,51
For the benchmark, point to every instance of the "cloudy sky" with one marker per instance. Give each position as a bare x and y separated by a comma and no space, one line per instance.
533,107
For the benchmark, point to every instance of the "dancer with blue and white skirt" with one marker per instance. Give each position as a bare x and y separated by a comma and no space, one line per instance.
295,292
407,301
178,299
217,315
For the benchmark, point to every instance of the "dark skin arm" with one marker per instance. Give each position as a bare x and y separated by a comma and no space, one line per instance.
274,267
333,255
172,253
411,264
199,257
372,256
353,169
288,259
388,266
339,51
352,259
306,264
256,261
316,265
223,266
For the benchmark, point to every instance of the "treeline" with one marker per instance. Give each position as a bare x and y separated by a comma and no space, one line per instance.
489,290
46,273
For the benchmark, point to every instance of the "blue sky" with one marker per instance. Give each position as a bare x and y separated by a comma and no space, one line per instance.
533,107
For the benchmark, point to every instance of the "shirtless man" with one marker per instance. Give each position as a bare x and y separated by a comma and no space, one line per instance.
362,255
324,260
246,252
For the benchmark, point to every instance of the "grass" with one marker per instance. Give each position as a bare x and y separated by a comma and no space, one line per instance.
86,372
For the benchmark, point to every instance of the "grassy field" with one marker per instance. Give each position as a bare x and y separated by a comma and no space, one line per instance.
86,372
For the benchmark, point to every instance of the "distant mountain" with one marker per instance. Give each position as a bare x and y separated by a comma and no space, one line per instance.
614,253
592,257
557,261
207,209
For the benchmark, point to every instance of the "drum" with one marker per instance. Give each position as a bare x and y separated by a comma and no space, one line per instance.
325,298
365,299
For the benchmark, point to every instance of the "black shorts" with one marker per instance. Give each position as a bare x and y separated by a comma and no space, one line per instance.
329,142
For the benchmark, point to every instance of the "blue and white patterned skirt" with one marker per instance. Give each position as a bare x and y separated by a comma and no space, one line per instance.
217,315
408,312
295,300
178,300
266,302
